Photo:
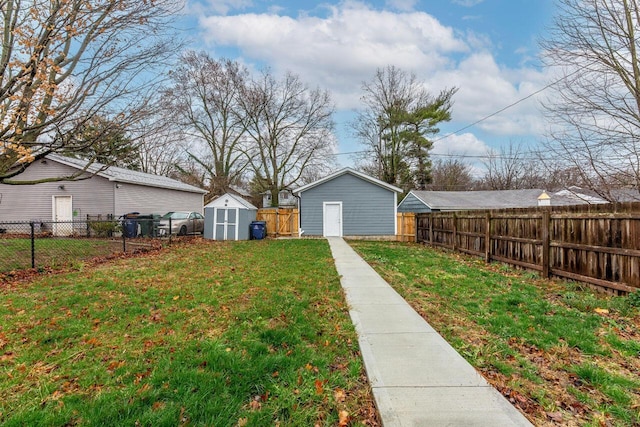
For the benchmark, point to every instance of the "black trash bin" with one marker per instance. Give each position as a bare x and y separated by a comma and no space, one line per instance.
258,230
148,226
130,224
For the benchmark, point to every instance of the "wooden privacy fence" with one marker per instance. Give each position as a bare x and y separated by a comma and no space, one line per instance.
406,227
596,244
280,222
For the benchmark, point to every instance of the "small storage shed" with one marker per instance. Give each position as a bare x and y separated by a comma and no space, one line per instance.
228,218
348,203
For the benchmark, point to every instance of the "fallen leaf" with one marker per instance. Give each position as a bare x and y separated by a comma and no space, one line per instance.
93,342
601,311
339,395
255,405
343,418
555,416
242,422
319,387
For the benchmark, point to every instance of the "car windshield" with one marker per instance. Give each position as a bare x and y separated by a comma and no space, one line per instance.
176,215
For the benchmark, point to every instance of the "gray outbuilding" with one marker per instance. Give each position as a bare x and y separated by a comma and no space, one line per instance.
348,203
228,218
435,201
99,190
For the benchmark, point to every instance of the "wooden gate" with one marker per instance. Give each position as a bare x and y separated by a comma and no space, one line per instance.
406,227
281,222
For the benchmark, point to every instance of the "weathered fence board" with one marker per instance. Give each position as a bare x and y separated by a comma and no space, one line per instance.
597,244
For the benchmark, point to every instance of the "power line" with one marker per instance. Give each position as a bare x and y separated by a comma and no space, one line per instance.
487,117
528,155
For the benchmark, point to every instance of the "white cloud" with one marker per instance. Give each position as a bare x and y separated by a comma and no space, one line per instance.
340,50
463,145
403,5
467,3
486,88
343,46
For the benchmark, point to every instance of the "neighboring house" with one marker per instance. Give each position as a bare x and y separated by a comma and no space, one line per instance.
228,218
239,191
113,191
434,201
286,199
347,203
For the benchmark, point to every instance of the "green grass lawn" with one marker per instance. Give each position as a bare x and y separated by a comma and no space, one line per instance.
563,355
15,253
213,334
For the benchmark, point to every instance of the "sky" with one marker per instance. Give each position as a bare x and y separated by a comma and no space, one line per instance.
488,49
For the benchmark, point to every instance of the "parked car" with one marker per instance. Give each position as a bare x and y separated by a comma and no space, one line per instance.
182,223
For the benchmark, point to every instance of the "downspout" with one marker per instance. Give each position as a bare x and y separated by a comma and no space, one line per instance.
300,230
115,190
395,213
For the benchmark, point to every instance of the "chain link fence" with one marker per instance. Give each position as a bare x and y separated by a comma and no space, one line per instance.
54,244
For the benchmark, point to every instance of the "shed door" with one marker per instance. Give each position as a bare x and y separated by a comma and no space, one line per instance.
332,219
225,224
62,216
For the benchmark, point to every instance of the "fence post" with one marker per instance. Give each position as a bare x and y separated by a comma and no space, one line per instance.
455,231
546,244
487,238
124,236
33,245
431,228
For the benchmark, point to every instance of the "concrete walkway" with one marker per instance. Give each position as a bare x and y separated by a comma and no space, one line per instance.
418,379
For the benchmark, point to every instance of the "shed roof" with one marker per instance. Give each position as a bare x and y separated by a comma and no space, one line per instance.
350,171
499,199
230,200
117,174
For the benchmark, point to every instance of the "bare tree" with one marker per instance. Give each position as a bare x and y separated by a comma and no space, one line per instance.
291,130
511,168
162,149
595,109
205,100
65,61
398,118
451,175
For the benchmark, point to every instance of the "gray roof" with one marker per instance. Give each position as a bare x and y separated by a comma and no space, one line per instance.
351,172
117,174
498,199
626,195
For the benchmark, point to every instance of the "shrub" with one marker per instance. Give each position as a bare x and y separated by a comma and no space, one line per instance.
104,228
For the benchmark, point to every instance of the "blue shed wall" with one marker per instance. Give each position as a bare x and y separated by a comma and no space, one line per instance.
412,204
367,209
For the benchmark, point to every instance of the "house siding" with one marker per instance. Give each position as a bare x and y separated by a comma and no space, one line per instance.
34,202
412,204
94,196
367,209
147,200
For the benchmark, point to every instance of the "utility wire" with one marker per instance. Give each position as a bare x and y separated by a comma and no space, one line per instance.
487,117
